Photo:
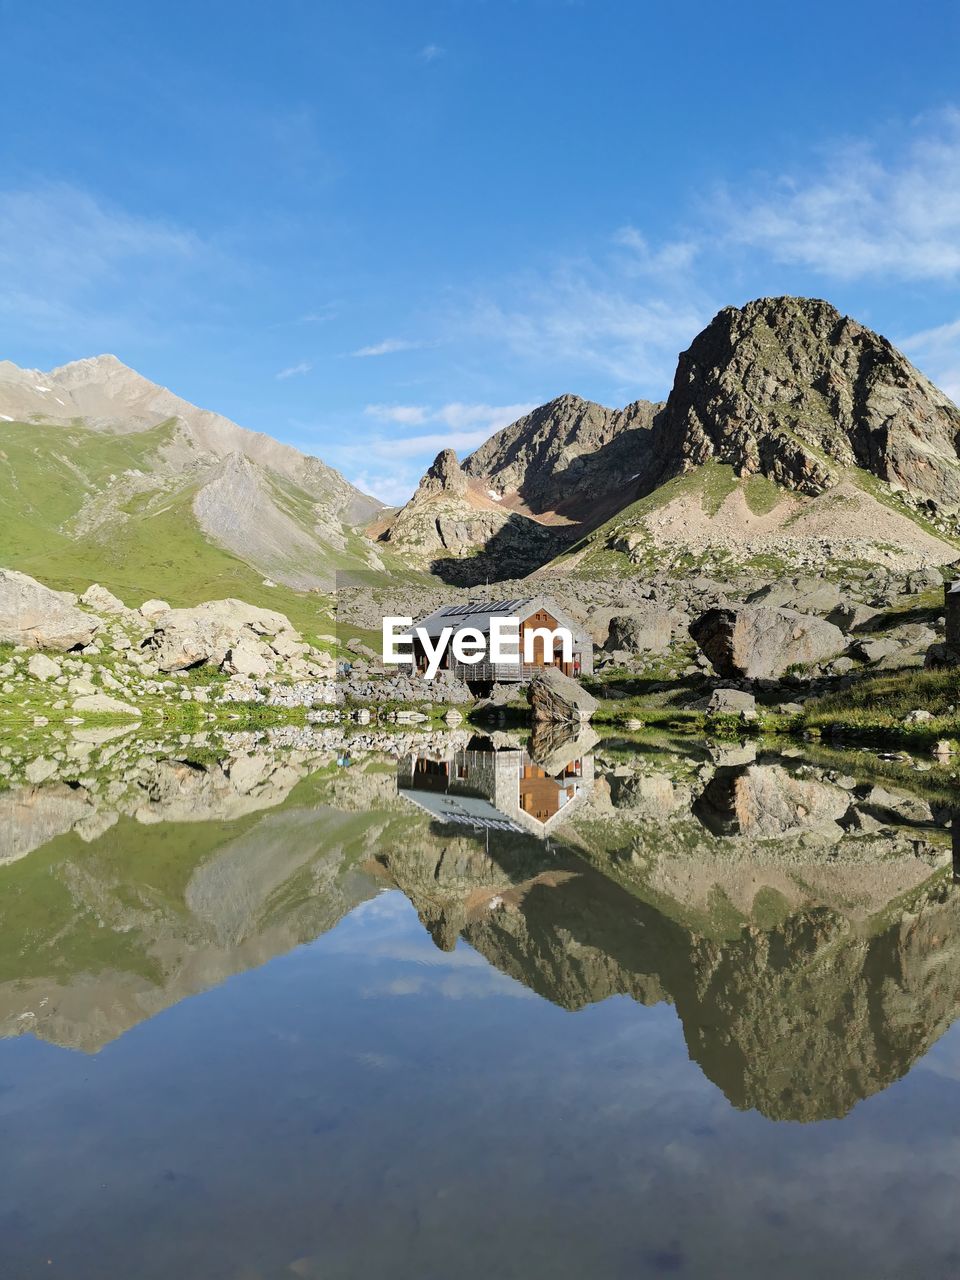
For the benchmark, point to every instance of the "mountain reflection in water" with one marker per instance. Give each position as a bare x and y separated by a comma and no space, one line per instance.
798,913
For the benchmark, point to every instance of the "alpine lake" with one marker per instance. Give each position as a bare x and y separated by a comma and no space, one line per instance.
441,1005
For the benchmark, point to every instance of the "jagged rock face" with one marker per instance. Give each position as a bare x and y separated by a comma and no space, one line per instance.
446,523
527,493
792,389
444,475
756,643
565,453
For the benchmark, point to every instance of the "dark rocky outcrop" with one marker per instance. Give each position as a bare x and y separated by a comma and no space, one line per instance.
791,389
569,456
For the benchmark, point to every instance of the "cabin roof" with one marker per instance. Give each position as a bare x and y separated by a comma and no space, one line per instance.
477,613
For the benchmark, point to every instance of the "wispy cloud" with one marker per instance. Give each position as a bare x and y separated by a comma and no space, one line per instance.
408,415
390,466
858,215
387,347
431,52
466,426
81,270
583,320
295,370
645,259
937,352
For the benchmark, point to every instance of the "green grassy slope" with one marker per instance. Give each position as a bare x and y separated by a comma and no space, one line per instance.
712,483
151,546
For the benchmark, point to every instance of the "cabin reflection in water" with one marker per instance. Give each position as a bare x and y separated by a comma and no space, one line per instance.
505,789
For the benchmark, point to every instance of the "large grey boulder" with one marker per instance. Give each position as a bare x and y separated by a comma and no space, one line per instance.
755,642
732,702
554,696
852,617
213,631
36,617
806,595
555,744
104,601
647,628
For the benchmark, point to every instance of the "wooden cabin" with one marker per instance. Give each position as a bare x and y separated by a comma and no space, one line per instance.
534,612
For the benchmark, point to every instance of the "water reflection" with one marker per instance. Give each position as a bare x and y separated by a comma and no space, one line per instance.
501,787
800,918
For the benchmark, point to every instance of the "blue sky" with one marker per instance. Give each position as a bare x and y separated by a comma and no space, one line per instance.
373,229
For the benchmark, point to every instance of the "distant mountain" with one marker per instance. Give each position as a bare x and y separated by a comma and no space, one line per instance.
791,389
105,475
526,493
793,436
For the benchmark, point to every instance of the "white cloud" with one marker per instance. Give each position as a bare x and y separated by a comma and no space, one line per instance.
86,272
393,489
860,216
408,415
584,321
295,370
937,352
387,347
668,259
430,53
467,426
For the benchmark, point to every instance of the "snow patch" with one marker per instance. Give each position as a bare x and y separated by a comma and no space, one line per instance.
37,387
6,417
497,497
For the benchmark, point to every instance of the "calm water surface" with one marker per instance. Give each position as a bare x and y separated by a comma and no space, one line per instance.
461,1011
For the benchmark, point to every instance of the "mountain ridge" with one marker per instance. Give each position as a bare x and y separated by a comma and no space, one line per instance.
787,391
111,477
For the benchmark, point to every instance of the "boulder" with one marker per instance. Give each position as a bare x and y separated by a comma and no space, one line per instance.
554,696
36,617
766,801
185,638
806,595
103,601
939,656
152,609
43,668
246,659
876,650
732,702
102,704
32,816
756,642
852,617
645,629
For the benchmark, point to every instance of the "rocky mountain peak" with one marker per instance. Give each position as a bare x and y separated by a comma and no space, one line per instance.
566,455
792,389
443,476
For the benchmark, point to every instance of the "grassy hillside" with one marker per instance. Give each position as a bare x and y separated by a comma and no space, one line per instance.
624,545
83,506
